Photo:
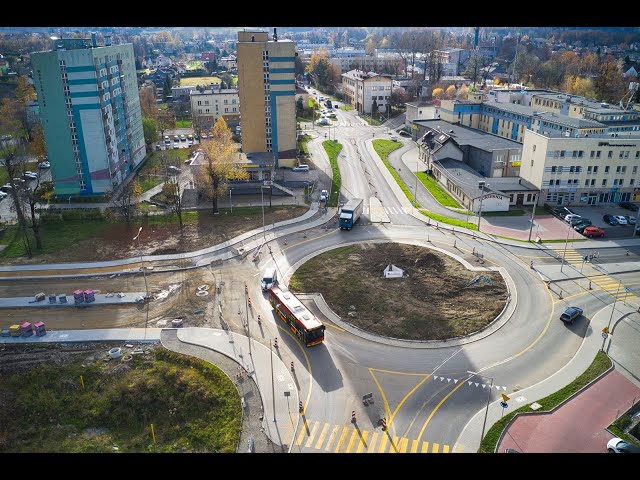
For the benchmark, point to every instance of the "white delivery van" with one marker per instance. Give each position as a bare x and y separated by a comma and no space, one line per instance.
269,278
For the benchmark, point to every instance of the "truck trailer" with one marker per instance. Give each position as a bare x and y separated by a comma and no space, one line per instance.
350,213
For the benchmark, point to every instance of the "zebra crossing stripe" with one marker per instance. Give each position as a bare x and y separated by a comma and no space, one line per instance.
414,446
372,445
312,434
383,443
301,435
425,447
435,448
403,444
342,437
445,449
331,438
354,435
323,433
363,442
393,448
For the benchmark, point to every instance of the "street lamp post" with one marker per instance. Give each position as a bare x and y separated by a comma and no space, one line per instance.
144,272
230,201
264,233
481,185
615,299
533,215
565,245
487,407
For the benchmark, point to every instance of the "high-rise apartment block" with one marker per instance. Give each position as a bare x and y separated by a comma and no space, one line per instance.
90,113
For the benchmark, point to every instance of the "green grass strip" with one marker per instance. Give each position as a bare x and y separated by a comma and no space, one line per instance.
333,150
439,193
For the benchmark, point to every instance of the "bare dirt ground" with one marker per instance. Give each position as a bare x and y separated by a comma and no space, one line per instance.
431,302
116,242
175,296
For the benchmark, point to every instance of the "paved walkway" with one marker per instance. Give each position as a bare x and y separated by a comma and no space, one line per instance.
579,425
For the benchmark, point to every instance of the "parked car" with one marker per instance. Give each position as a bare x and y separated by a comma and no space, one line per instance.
322,121
3,194
570,314
203,135
301,168
44,164
578,220
610,219
167,140
6,187
570,217
592,231
402,133
176,138
630,220
621,219
173,170
324,195
629,206
581,226
183,138
617,445
176,146
30,175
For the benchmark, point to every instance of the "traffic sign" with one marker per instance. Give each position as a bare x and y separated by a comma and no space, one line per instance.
504,404
604,335
605,330
505,398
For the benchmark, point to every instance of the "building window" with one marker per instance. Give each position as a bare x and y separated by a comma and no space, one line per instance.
610,154
593,182
561,153
586,182
604,182
606,169
595,169
589,169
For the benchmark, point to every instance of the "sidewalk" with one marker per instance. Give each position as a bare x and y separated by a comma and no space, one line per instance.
469,439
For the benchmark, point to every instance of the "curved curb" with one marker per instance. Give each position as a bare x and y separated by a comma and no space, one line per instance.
501,319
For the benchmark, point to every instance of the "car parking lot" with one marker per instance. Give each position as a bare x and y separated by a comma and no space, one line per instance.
595,213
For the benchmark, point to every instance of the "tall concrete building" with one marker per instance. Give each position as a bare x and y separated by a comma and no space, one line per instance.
266,84
90,114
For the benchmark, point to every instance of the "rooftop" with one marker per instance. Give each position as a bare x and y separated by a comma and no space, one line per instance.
469,136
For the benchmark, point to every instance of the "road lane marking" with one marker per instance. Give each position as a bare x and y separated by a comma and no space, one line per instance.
414,446
354,435
372,445
345,430
403,444
331,437
312,434
435,448
425,447
383,442
363,442
323,433
302,432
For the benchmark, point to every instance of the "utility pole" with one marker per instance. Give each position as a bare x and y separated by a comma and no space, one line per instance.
533,215
481,185
486,411
565,245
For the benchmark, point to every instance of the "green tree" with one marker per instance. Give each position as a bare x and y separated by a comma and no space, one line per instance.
319,68
299,107
166,87
150,130
374,108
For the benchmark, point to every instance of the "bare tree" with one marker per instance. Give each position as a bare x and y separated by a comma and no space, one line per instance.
14,163
166,120
172,189
127,202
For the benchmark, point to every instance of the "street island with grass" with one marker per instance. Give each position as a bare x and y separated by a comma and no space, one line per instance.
436,298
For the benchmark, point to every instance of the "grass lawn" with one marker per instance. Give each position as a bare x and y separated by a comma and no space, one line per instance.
346,107
333,150
4,176
439,193
184,124
198,81
195,64
449,221
193,406
56,236
601,363
303,140
370,120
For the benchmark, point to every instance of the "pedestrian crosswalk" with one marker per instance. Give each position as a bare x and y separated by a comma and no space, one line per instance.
596,278
326,437
392,210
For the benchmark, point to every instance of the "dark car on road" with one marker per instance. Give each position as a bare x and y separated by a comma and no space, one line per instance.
580,224
629,206
610,219
570,314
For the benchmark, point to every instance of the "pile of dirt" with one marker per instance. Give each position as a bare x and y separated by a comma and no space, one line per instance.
432,301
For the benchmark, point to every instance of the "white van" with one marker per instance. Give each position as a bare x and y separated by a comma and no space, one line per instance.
269,278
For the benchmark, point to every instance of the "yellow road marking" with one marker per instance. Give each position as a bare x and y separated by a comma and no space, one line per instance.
383,442
302,432
396,372
354,435
372,445
331,437
435,448
403,444
342,437
414,446
425,447
313,432
445,449
363,442
393,448
323,433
